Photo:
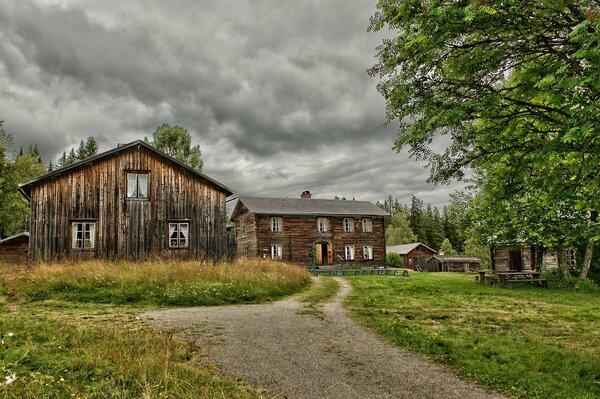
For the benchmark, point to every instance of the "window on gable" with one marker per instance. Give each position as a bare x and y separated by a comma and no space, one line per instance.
368,252
276,251
276,224
137,185
367,225
348,225
322,225
349,250
178,235
84,235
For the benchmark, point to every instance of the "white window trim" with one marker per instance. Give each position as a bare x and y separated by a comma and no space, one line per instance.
276,224
242,228
349,252
322,225
348,225
367,225
177,226
368,252
276,251
82,243
137,187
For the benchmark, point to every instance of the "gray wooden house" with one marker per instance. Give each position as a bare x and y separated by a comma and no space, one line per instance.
130,202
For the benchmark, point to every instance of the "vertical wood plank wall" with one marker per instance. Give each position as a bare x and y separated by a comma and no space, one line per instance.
127,228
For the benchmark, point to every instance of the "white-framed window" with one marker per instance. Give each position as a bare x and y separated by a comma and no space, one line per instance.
276,224
246,250
242,228
179,235
137,185
571,257
276,251
367,225
84,235
349,251
348,225
368,252
322,225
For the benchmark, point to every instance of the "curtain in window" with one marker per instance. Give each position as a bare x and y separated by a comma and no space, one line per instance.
183,234
173,233
142,185
132,191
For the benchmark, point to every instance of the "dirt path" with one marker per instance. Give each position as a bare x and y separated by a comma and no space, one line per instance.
294,353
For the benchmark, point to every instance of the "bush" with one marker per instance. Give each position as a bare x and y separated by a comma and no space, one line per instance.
394,260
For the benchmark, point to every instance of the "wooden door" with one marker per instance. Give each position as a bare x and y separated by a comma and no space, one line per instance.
329,253
319,256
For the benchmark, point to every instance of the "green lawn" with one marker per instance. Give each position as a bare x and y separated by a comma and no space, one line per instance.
527,341
71,331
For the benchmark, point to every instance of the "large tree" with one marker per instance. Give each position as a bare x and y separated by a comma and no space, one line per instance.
398,230
515,86
177,142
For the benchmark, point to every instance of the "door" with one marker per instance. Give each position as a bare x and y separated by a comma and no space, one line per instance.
516,260
319,254
329,253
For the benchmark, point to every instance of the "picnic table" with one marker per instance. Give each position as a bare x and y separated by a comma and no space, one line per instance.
510,277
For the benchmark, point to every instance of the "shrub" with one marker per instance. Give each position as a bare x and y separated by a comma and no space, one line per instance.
393,260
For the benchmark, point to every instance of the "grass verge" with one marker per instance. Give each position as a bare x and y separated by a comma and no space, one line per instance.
70,330
528,342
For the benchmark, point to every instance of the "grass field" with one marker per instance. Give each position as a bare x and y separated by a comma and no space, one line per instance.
527,341
70,330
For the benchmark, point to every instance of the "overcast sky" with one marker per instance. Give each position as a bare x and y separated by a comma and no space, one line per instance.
274,91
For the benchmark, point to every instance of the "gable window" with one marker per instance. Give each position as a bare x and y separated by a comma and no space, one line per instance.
178,235
84,235
322,225
276,224
349,250
368,252
276,251
367,225
348,225
137,185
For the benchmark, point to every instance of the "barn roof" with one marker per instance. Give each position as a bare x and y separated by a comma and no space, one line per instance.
26,187
7,239
455,258
406,248
302,206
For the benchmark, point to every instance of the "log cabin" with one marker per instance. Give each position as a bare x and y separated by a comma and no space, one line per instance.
414,255
314,232
131,202
521,257
452,263
14,248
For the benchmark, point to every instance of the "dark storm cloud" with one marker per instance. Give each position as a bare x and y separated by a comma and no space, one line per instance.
275,91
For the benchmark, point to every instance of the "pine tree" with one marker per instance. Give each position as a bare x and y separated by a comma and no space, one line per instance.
62,160
91,147
50,166
81,151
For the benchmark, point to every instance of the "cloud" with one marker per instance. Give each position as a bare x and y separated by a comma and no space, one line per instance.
275,91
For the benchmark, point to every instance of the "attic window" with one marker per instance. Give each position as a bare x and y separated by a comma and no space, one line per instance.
322,225
276,223
137,185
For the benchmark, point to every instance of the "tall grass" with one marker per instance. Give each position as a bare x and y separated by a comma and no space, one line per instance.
158,282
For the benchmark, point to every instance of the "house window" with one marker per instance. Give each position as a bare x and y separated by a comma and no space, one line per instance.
84,235
178,235
276,251
242,228
368,252
571,258
348,225
349,250
322,225
367,225
246,250
276,224
137,185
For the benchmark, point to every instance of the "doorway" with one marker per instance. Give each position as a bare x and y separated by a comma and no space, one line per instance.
324,251
516,260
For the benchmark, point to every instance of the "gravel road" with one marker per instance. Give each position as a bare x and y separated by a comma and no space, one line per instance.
294,352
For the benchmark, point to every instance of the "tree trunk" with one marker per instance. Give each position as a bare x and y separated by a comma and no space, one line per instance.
587,259
562,262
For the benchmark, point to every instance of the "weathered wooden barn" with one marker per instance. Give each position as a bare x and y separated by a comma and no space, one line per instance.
130,202
522,257
14,248
311,231
452,263
414,255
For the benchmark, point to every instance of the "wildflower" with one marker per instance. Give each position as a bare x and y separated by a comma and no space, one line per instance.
11,334
9,379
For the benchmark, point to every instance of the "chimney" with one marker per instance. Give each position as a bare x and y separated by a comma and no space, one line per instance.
305,195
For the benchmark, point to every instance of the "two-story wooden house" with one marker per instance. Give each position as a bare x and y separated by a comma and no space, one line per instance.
310,231
130,202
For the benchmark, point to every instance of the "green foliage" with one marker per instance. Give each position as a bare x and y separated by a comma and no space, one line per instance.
513,340
398,230
394,260
447,247
177,142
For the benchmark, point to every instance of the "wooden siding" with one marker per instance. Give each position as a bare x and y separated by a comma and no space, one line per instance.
127,228
14,249
299,233
417,256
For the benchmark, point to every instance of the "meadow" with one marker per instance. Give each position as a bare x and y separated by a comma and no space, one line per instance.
70,330
528,342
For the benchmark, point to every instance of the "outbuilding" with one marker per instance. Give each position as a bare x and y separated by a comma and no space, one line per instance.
452,263
14,249
414,255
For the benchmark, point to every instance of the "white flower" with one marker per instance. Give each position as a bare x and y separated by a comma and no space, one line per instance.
11,334
9,379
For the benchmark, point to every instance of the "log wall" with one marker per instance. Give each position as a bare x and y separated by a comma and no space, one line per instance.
126,227
14,250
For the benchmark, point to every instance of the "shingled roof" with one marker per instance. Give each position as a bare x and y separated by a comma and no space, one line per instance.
312,207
